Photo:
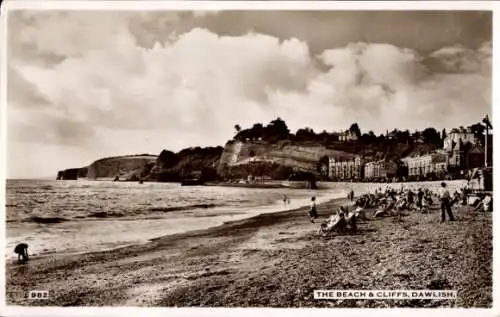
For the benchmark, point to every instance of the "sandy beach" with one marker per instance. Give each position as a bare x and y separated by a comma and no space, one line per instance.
274,260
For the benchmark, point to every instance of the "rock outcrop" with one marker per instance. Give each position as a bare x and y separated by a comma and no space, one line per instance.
174,167
125,167
68,174
302,157
82,172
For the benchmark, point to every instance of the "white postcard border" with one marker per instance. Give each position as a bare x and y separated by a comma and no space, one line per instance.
241,5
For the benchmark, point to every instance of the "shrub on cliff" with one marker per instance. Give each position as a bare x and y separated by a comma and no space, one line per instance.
173,167
276,130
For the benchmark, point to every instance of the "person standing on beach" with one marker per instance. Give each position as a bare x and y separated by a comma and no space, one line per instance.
313,214
351,195
420,199
444,196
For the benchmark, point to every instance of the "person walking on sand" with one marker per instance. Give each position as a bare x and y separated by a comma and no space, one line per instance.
313,214
444,196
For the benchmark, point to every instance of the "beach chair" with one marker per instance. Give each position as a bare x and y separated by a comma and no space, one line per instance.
339,224
336,223
360,213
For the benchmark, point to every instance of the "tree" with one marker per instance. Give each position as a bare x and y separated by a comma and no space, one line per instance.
280,127
323,165
237,127
256,131
276,130
431,136
355,129
323,136
305,134
168,159
478,130
443,134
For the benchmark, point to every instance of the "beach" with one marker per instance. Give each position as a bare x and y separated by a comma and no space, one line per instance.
274,260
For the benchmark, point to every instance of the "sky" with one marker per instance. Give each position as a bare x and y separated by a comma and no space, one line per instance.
82,85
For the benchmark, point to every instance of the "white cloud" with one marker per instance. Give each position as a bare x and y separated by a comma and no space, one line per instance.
113,95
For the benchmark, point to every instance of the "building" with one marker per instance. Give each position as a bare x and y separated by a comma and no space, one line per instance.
345,170
371,170
427,164
467,155
474,157
456,136
347,136
456,156
380,169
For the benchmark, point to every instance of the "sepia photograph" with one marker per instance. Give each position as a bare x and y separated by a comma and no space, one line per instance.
272,158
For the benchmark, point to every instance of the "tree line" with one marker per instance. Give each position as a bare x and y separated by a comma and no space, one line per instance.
278,130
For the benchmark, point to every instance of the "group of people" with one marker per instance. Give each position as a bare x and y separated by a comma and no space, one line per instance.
391,202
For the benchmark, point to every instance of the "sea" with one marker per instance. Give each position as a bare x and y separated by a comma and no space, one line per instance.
84,216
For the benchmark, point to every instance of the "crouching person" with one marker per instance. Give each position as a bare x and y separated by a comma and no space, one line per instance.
22,252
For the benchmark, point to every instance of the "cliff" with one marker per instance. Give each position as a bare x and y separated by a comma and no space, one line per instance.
282,159
173,167
125,167
260,158
72,173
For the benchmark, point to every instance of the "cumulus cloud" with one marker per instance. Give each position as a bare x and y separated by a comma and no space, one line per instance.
21,92
383,87
109,91
200,79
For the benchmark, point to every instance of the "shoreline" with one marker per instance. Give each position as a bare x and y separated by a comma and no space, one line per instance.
273,260
224,226
230,229
241,214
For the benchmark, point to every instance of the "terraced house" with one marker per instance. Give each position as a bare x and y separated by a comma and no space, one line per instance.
346,170
426,164
380,169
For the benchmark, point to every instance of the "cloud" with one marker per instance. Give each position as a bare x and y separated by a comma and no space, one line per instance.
382,87
204,13
200,79
108,92
22,92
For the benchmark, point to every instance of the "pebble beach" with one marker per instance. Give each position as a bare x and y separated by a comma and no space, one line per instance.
275,260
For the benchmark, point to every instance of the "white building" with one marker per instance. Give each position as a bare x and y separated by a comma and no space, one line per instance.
352,169
425,164
347,136
380,169
458,135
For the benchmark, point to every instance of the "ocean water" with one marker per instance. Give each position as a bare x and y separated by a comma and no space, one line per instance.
83,216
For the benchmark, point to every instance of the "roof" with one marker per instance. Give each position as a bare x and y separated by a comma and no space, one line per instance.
461,130
438,158
476,148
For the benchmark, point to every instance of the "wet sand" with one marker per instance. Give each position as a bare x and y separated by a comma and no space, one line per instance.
274,260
